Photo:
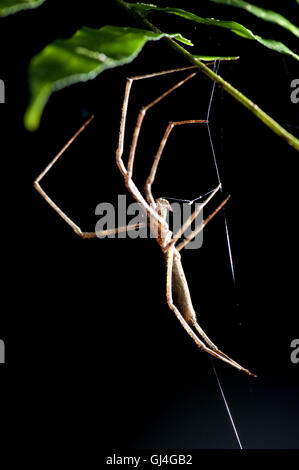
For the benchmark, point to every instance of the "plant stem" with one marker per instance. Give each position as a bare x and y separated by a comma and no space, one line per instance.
254,108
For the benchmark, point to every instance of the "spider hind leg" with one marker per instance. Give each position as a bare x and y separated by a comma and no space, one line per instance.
186,314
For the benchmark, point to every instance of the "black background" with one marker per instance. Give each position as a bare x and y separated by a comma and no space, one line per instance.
93,354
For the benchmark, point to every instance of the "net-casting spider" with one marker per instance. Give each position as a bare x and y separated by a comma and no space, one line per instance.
156,210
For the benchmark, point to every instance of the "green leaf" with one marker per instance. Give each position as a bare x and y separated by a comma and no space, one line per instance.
7,7
266,15
82,57
236,28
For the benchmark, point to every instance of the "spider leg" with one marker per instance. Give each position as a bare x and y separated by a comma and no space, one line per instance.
57,209
152,175
193,216
214,352
202,226
129,82
151,178
128,171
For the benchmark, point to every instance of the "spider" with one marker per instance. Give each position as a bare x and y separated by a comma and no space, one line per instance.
177,290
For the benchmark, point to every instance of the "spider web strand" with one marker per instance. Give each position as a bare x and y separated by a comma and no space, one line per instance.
227,407
216,67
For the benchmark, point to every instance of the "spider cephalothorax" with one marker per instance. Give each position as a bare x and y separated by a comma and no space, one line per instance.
161,231
162,207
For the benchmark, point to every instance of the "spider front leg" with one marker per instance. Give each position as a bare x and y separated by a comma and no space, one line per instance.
149,204
120,147
151,177
57,209
195,232
62,214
